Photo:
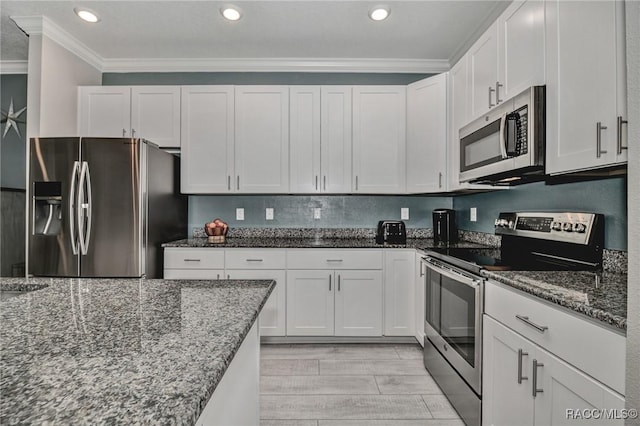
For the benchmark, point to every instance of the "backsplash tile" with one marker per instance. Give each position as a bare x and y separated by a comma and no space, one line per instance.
310,233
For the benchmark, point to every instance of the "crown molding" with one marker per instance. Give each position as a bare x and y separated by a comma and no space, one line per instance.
13,67
41,25
419,66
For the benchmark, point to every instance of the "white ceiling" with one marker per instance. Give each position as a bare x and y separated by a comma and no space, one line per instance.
335,29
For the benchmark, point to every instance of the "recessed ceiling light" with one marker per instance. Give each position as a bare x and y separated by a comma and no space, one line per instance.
86,15
379,13
231,13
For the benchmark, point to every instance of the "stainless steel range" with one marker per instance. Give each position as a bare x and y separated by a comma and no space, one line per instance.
454,297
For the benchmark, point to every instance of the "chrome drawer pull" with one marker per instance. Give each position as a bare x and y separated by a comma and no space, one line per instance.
255,260
192,260
620,123
520,376
536,391
526,320
599,129
334,260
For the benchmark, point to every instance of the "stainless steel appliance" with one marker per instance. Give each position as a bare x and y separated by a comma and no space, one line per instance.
506,146
454,291
101,207
391,232
445,229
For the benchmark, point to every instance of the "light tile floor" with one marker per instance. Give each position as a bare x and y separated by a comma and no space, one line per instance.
349,385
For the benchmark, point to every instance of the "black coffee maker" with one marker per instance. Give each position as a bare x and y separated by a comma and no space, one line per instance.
444,226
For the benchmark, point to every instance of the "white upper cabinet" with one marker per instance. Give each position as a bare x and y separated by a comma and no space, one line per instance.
521,55
149,112
320,139
155,114
336,139
207,156
427,135
483,69
586,85
104,111
304,142
379,145
262,139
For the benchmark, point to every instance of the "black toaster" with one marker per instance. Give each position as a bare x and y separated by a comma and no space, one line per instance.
391,232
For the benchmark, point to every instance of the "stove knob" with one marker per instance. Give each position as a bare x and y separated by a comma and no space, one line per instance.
556,226
580,228
511,224
567,227
497,222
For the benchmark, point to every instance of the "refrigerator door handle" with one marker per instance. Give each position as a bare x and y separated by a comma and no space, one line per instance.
84,208
72,208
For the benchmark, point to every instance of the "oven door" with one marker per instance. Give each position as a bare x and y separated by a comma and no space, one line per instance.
453,318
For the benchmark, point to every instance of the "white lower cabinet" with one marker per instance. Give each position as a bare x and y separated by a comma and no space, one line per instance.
561,391
334,303
419,301
399,292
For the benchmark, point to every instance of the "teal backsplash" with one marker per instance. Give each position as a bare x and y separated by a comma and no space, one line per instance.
293,211
606,196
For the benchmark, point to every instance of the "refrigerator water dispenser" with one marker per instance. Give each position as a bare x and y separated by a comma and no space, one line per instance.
47,208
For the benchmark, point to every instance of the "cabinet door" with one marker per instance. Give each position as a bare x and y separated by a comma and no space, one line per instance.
262,139
104,111
379,145
419,300
310,304
427,135
483,69
304,143
581,84
506,357
206,157
358,303
274,312
336,137
399,293
564,388
521,57
155,114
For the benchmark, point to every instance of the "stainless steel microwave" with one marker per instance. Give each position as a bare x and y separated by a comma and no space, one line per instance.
507,145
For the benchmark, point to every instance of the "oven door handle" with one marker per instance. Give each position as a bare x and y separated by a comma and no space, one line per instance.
451,273
503,142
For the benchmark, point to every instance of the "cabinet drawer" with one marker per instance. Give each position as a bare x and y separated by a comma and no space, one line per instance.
255,259
588,346
193,258
334,259
193,274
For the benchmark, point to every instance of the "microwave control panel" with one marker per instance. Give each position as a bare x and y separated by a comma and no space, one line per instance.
565,226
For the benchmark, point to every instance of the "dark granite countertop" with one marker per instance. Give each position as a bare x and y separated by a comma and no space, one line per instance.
270,242
119,351
601,296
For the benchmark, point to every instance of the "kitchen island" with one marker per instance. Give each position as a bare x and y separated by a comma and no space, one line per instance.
122,351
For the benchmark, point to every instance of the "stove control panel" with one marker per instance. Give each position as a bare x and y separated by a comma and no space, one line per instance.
558,226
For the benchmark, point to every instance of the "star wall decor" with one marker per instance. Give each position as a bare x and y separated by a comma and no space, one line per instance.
11,119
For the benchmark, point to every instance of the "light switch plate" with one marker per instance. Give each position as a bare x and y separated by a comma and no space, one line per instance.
268,213
404,213
317,213
473,214
239,213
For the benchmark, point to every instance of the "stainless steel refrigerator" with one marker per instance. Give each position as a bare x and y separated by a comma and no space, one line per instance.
101,207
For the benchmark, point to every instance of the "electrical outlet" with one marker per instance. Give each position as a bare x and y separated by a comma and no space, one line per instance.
404,213
473,214
239,213
269,213
317,213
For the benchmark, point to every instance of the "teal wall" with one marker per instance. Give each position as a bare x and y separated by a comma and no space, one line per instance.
606,196
286,78
12,146
296,211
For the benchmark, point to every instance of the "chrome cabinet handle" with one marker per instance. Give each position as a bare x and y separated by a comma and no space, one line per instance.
491,89
124,132
335,260
535,389
620,123
229,183
255,260
133,133
191,260
324,179
329,282
338,282
439,179
218,277
526,320
498,86
228,276
356,182
520,376
316,182
238,183
72,207
421,269
599,129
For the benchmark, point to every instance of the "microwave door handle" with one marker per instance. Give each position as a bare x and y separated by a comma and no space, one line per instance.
503,142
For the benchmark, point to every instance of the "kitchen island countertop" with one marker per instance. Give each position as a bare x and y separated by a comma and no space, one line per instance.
601,296
119,351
